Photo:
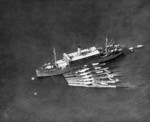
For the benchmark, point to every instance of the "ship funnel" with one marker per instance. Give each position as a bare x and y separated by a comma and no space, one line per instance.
79,50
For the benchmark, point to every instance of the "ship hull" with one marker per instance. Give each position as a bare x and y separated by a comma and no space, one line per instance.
45,73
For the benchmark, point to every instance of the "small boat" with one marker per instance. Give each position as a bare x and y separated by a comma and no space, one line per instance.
85,73
94,64
102,64
85,66
78,83
138,46
103,83
88,79
48,67
101,69
108,81
83,70
106,68
98,71
87,76
97,68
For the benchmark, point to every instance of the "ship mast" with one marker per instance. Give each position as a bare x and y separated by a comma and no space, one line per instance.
106,39
106,44
54,51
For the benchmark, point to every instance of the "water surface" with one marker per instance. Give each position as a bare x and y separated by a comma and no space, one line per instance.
30,29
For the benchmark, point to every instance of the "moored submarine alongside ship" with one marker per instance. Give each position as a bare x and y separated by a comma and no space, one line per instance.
96,57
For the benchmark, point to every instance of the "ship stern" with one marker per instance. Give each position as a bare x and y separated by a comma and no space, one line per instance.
38,74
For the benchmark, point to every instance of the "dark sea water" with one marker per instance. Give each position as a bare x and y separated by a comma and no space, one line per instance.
29,29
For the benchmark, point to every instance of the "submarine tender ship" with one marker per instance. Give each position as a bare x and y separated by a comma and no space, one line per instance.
78,59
